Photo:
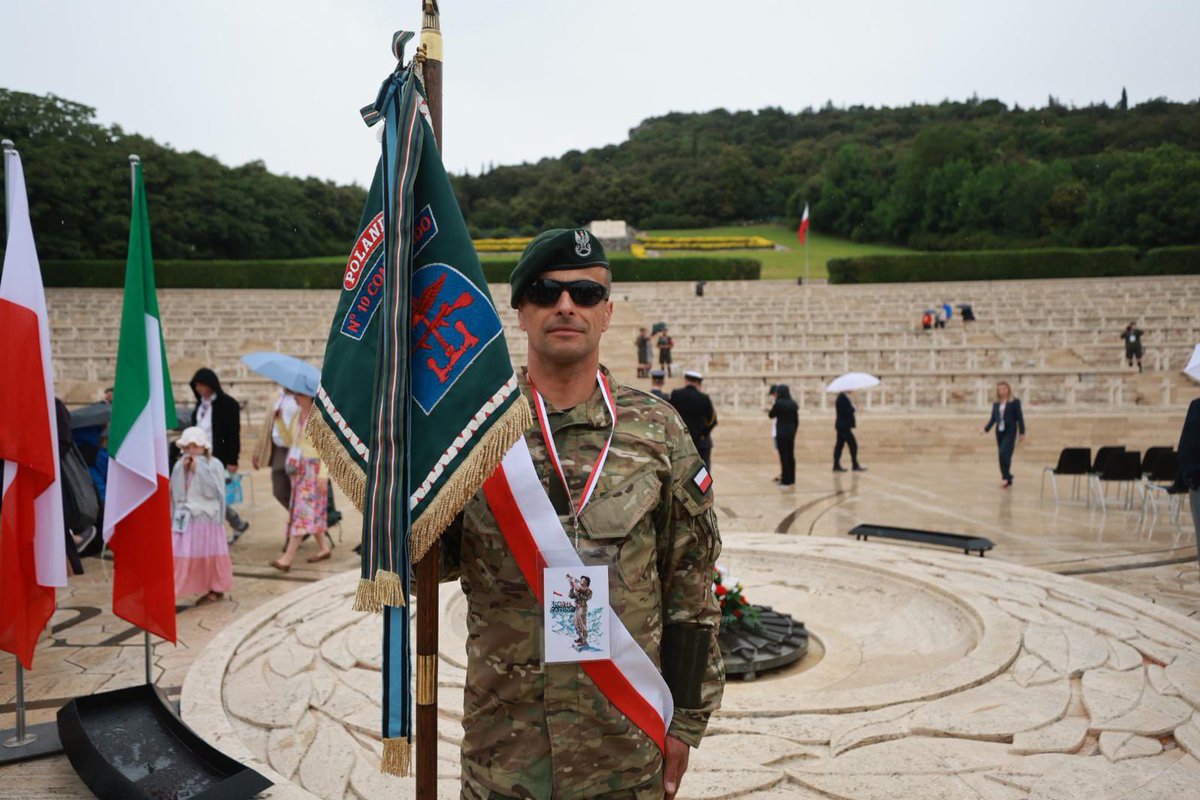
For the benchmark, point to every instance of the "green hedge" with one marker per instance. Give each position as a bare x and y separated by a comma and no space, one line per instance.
1015,265
305,274
627,268
1173,261
319,273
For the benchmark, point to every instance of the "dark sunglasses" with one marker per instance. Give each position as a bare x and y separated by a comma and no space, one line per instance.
544,292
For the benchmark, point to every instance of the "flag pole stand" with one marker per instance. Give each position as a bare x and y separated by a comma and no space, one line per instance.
26,742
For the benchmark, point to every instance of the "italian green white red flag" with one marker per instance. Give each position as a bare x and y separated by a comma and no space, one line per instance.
137,505
32,556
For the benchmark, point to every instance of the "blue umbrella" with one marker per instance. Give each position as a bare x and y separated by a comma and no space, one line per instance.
289,372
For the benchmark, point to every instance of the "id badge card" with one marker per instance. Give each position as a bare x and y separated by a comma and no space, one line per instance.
576,614
180,521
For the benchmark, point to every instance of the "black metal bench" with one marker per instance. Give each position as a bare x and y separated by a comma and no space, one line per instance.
955,540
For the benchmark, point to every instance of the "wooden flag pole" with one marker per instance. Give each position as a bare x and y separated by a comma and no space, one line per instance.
428,568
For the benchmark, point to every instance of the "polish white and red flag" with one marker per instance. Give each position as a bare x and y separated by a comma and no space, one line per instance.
33,556
802,232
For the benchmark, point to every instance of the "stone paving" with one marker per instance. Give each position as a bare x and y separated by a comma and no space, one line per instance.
938,676
1153,566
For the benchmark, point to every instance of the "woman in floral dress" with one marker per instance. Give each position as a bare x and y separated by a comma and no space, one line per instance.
306,515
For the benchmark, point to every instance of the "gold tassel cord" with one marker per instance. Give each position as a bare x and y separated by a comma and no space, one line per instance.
397,757
346,473
469,476
389,591
364,597
427,671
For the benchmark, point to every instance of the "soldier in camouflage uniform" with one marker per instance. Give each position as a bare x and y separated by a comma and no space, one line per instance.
537,730
581,593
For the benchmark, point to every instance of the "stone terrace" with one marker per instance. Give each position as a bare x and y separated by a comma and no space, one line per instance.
1057,341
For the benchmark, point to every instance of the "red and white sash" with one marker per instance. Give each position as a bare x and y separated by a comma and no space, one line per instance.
536,537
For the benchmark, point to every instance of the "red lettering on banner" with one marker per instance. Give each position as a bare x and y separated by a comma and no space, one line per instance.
368,242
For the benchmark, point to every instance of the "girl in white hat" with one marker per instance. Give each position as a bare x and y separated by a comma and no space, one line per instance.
202,565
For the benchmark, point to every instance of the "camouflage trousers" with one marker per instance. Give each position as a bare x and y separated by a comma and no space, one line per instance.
651,790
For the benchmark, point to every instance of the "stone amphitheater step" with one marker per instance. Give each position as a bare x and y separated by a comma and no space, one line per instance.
1056,339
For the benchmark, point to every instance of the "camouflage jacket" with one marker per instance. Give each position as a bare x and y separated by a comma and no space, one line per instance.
545,730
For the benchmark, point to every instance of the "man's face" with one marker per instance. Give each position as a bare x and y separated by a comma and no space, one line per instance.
565,333
204,390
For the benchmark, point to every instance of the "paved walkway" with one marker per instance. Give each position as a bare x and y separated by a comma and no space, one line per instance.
945,676
89,650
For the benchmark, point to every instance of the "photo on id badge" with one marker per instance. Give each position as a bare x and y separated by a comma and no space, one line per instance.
576,613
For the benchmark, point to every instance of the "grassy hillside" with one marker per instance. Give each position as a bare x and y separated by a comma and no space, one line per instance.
787,263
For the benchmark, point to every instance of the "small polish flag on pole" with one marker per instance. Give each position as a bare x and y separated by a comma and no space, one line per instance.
802,233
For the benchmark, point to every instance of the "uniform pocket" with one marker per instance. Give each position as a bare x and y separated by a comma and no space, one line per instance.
615,514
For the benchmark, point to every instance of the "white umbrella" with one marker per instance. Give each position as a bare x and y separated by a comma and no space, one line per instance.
1192,370
852,381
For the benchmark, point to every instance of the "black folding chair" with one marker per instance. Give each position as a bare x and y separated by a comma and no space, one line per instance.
1102,455
1075,461
1120,467
1160,475
1152,457
1101,459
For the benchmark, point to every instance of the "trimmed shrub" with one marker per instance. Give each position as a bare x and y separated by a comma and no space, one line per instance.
989,265
306,274
627,268
1184,260
326,273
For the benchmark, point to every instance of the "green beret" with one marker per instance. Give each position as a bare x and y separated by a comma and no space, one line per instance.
557,248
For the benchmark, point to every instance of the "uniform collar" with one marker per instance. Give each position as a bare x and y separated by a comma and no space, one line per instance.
592,412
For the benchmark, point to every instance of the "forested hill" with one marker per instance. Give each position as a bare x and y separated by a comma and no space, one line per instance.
955,175
958,175
77,174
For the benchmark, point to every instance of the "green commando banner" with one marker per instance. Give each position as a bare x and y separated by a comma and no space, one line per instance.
418,398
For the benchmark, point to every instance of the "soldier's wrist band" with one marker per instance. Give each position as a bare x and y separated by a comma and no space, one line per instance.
685,649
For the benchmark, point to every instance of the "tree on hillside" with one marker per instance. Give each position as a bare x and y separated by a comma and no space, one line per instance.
957,174
77,173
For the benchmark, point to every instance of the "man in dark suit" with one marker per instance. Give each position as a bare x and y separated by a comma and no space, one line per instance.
1189,460
220,417
656,384
698,413
844,425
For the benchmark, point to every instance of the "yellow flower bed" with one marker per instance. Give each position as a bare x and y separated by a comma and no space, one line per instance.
637,250
707,243
513,244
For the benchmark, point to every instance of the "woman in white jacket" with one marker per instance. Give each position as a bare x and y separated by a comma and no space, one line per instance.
202,565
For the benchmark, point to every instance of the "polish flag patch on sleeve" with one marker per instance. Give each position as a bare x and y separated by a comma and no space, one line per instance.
702,479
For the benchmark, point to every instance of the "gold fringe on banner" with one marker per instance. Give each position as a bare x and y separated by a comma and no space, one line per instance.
389,591
469,476
344,470
364,597
397,757
427,672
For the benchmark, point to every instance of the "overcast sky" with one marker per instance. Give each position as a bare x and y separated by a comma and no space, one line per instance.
282,81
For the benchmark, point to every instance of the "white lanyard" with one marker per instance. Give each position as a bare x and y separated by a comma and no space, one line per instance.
544,423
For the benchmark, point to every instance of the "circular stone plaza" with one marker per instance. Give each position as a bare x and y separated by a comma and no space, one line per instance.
1065,664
